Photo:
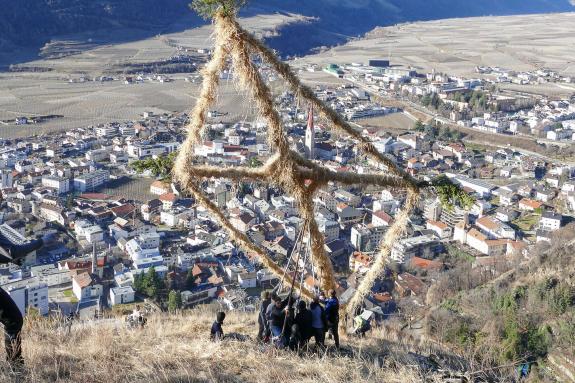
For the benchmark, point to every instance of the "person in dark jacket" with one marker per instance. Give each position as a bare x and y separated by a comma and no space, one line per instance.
317,321
217,332
303,320
262,321
278,315
332,316
296,338
10,315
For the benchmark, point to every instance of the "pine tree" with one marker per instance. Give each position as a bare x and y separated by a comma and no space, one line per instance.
174,301
190,280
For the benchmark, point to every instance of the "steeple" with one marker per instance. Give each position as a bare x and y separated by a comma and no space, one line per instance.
94,259
310,136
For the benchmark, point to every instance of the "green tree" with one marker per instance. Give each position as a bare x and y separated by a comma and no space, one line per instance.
431,131
160,166
151,283
451,194
254,162
139,283
174,301
208,8
419,126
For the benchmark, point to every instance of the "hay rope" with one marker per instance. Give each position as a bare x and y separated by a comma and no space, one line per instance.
297,176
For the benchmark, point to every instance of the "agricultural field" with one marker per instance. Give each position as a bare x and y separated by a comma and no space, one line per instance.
137,188
49,91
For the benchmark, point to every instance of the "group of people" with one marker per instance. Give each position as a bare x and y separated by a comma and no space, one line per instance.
288,326
136,318
291,323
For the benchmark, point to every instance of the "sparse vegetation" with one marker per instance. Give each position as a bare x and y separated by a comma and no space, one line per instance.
515,313
176,348
160,166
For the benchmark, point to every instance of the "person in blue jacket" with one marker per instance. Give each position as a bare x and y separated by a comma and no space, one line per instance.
332,315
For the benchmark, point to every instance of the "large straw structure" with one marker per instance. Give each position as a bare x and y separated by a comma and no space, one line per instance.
286,168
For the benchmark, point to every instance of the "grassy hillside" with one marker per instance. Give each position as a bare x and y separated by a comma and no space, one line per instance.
522,313
175,348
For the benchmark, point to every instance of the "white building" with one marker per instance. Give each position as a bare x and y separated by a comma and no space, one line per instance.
247,280
94,234
121,295
29,294
85,287
106,131
550,221
425,246
51,275
59,184
91,181
144,246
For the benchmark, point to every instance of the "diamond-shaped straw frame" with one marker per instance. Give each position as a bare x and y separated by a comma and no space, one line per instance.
285,168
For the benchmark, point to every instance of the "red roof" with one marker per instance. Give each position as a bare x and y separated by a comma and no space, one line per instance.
531,203
422,263
168,197
362,258
123,210
383,216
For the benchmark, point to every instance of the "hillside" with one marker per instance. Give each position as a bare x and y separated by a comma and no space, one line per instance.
520,311
35,22
175,348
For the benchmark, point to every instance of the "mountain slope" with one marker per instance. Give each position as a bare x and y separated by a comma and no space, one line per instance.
35,22
175,348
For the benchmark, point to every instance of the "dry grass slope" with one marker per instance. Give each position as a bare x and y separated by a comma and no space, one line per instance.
175,348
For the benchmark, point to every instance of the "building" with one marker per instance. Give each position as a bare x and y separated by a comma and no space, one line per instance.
86,286
93,234
359,262
159,188
482,188
121,295
91,181
366,237
59,184
432,210
527,204
247,280
550,221
144,246
107,131
6,179
381,218
310,136
442,230
29,294
454,216
495,229
51,275
329,229
378,63
15,237
424,246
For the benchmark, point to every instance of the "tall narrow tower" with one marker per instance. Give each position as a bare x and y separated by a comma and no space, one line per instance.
94,259
310,136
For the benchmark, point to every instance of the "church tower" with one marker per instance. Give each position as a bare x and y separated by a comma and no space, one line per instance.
310,136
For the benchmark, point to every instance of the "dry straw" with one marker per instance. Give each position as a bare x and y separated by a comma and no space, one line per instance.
296,175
